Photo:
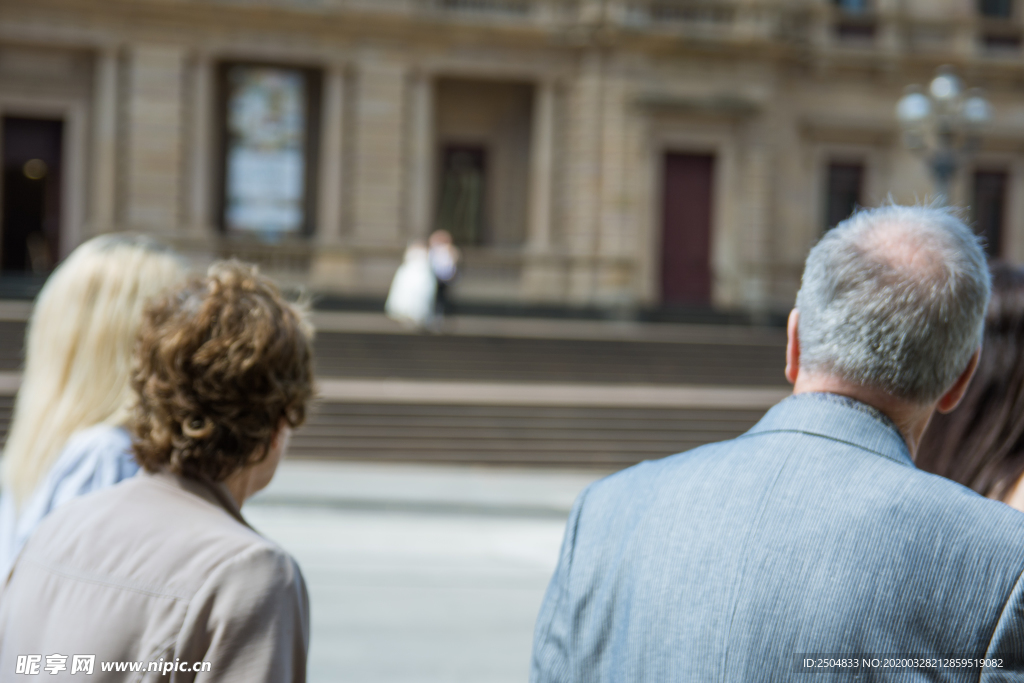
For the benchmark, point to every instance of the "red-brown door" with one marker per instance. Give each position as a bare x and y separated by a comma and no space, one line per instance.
686,230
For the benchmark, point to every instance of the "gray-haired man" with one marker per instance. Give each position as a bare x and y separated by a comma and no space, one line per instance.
811,543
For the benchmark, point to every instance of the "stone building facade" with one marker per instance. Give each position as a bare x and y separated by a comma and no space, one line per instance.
593,153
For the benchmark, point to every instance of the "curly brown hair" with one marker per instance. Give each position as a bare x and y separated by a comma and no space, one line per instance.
219,364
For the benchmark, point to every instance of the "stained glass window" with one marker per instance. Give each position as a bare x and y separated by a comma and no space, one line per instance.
265,180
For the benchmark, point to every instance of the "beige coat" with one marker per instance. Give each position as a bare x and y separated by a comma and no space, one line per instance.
157,567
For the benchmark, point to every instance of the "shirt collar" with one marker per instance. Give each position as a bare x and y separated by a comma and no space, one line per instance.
852,403
207,489
839,418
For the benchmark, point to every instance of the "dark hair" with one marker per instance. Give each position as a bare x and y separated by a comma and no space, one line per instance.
980,444
219,364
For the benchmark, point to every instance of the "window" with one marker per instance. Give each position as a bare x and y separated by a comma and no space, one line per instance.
855,22
853,6
268,112
1001,41
460,208
844,184
998,33
988,208
997,9
515,7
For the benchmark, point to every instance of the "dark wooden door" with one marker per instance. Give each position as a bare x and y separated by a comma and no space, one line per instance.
461,208
686,230
31,195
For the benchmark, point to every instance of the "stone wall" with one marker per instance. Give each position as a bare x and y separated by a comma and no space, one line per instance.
580,100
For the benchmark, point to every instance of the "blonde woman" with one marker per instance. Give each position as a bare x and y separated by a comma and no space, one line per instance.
67,436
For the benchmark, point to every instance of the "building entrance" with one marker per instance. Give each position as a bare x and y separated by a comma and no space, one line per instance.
483,131
31,195
461,209
686,229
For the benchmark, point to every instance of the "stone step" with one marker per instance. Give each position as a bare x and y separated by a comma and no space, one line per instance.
511,435
500,435
548,360
753,357
518,393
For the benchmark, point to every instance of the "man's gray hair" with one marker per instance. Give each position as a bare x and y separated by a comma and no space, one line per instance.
894,299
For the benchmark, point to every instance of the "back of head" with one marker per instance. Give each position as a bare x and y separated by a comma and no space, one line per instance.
440,238
981,443
894,299
78,349
219,365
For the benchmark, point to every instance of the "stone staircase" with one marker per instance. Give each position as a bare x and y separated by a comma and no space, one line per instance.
511,435
503,359
437,423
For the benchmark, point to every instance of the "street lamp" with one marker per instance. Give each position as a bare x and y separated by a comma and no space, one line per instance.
943,124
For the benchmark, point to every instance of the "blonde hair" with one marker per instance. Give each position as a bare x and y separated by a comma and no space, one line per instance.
78,349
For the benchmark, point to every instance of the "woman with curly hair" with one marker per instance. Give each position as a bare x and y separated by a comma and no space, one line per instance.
163,568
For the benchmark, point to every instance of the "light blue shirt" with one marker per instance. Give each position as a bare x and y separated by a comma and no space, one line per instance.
92,459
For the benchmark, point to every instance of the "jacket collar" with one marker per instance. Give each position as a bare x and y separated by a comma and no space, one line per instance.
833,420
207,489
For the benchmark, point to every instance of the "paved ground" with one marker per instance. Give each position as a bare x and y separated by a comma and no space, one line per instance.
419,574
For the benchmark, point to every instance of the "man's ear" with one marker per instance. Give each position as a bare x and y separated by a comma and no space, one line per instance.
793,346
952,398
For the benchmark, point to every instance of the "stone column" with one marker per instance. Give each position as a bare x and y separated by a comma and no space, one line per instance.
890,29
617,243
420,180
542,160
543,277
378,153
199,210
583,176
758,181
330,196
153,158
965,19
103,200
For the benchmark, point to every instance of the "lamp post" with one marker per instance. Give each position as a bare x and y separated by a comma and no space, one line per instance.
943,125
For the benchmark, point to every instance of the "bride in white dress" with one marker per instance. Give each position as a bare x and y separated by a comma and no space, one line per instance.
411,298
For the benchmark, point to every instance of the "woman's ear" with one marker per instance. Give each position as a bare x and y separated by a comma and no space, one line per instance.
282,437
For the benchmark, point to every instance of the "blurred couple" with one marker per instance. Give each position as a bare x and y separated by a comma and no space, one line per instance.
419,292
813,536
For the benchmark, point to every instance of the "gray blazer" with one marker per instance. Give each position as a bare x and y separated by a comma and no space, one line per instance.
812,534
156,569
